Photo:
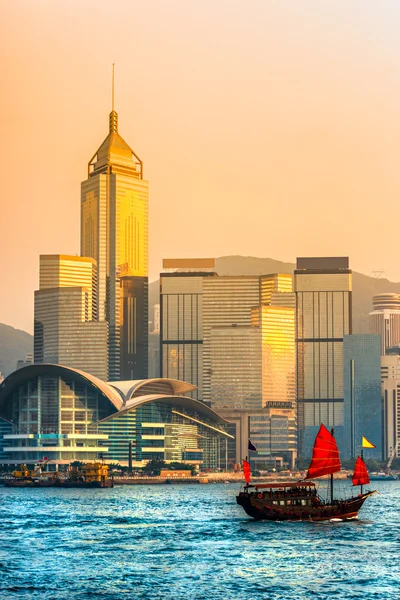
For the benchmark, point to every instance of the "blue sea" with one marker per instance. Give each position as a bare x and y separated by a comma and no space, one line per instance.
190,542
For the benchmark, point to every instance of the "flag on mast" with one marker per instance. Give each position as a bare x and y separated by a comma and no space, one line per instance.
252,446
366,443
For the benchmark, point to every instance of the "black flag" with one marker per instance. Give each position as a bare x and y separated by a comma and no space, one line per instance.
252,447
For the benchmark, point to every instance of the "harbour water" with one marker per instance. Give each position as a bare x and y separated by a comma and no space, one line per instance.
190,542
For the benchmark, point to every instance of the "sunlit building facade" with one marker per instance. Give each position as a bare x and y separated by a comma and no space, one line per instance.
181,316
323,289
66,415
362,395
114,231
236,367
227,302
66,326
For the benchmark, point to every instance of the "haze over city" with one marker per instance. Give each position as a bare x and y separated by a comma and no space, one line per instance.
265,128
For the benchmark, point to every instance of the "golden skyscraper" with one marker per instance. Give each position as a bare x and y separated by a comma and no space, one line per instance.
114,231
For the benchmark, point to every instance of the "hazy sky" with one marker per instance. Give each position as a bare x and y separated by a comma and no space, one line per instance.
267,128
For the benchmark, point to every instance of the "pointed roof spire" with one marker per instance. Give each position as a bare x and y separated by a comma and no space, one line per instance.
113,114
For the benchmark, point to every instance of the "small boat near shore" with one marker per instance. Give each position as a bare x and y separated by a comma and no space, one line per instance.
299,501
87,475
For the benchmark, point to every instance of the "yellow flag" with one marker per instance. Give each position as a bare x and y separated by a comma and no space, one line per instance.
366,443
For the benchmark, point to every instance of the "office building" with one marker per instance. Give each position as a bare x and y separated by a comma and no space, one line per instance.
236,373
272,431
181,310
385,319
323,288
66,329
362,395
227,302
114,232
390,379
67,414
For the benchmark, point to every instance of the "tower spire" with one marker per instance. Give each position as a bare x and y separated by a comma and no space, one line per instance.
113,114
112,105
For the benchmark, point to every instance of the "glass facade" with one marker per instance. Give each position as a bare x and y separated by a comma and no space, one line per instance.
390,380
272,431
158,431
66,329
114,231
56,417
362,395
181,307
236,379
227,301
278,356
323,319
53,411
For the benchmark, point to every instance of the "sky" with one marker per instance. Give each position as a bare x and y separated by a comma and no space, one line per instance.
266,128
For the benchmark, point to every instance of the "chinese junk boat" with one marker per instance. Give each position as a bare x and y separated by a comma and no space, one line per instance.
298,501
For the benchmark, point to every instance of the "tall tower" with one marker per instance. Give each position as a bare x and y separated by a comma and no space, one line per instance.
323,287
114,231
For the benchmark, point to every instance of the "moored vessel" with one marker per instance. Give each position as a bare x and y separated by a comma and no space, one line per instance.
87,475
299,501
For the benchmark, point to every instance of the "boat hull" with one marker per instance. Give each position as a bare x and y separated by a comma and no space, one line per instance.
261,509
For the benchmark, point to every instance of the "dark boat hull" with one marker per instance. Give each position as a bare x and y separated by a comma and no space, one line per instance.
261,509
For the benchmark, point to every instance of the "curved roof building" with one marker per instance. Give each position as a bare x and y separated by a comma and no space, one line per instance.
67,414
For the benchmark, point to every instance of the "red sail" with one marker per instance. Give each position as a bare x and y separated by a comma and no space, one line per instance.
325,459
360,475
246,471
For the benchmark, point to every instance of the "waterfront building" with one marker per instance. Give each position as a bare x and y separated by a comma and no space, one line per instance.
390,380
66,414
66,327
362,395
181,315
323,288
114,232
385,319
272,431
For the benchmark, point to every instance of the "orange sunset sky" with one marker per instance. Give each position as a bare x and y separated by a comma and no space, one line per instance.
267,128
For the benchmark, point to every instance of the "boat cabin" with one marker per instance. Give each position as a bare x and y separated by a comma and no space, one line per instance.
300,493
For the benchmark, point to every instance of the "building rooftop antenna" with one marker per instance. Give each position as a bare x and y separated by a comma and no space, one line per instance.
112,103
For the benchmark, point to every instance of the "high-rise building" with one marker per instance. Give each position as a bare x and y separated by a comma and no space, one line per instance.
227,301
385,319
66,329
390,378
114,231
181,328
323,289
236,375
362,395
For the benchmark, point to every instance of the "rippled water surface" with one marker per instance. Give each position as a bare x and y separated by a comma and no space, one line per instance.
190,542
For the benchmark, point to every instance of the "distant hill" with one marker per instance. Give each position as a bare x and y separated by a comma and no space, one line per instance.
14,345
364,287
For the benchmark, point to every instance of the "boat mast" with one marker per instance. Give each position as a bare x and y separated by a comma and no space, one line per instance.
362,458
